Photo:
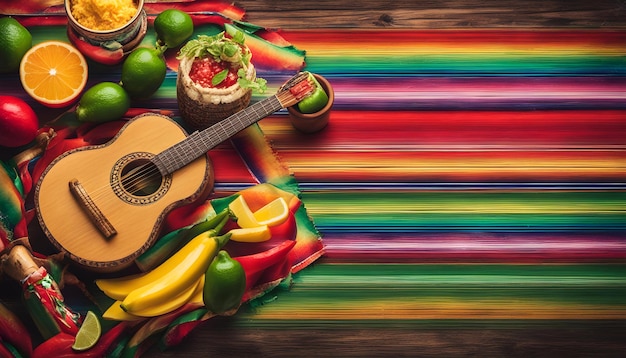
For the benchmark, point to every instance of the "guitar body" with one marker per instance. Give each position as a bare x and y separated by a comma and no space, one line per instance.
117,181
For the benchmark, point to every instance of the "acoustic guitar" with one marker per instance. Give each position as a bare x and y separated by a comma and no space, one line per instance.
104,205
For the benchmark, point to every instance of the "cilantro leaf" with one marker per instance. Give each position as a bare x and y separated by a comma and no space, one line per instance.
259,84
219,77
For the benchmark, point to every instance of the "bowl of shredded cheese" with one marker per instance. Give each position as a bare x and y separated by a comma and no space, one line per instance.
107,22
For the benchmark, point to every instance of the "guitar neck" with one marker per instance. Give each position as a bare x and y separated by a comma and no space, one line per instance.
198,143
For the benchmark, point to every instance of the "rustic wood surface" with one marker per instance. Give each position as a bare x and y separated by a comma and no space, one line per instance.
215,341
216,338
436,14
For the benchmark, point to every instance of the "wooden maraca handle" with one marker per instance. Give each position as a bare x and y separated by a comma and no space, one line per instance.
19,263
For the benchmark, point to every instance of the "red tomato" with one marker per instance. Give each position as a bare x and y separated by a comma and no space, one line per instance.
204,69
18,122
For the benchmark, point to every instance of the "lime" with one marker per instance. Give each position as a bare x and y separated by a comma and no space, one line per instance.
105,101
224,284
173,27
143,72
15,40
89,333
316,100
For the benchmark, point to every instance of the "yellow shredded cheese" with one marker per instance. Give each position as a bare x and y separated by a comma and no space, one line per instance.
103,14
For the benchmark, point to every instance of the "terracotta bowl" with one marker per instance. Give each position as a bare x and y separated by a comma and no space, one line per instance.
313,122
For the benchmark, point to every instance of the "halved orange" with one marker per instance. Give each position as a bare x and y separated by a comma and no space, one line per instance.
54,73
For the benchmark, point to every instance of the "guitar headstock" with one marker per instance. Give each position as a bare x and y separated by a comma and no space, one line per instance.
295,89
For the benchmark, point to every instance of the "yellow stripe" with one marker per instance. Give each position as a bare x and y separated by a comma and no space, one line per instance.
437,309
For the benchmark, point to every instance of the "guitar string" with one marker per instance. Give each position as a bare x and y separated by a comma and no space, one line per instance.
131,180
150,171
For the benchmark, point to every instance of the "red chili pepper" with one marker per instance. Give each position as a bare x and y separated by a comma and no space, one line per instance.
133,112
13,331
255,264
32,21
96,53
60,345
106,341
287,230
4,351
181,326
100,133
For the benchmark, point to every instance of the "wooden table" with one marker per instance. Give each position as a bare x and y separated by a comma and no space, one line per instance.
436,14
515,338
543,299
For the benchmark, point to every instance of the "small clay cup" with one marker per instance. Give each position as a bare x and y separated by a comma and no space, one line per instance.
313,122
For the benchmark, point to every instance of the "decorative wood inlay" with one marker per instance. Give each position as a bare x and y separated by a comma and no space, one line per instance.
126,188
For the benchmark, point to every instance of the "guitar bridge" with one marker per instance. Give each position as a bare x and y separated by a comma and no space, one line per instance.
91,209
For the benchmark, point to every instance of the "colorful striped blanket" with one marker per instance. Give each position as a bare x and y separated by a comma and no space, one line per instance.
466,178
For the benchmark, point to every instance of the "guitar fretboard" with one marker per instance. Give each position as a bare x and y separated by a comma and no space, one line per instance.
198,143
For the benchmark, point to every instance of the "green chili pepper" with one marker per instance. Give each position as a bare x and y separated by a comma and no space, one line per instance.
176,239
316,100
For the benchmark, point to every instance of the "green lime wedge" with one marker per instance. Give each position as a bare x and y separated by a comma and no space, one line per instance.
89,333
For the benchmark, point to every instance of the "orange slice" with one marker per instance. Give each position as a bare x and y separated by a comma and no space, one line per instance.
54,73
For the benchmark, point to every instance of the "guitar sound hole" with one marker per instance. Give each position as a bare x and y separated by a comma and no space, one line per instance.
141,178
136,180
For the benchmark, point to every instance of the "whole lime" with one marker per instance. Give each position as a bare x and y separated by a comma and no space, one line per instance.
224,284
15,41
143,72
105,101
173,27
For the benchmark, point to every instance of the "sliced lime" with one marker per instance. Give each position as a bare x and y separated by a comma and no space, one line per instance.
89,333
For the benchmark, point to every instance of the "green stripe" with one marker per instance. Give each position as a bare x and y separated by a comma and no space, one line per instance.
475,63
334,289
453,210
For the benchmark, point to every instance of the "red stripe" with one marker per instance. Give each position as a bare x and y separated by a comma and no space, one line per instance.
511,128
507,37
